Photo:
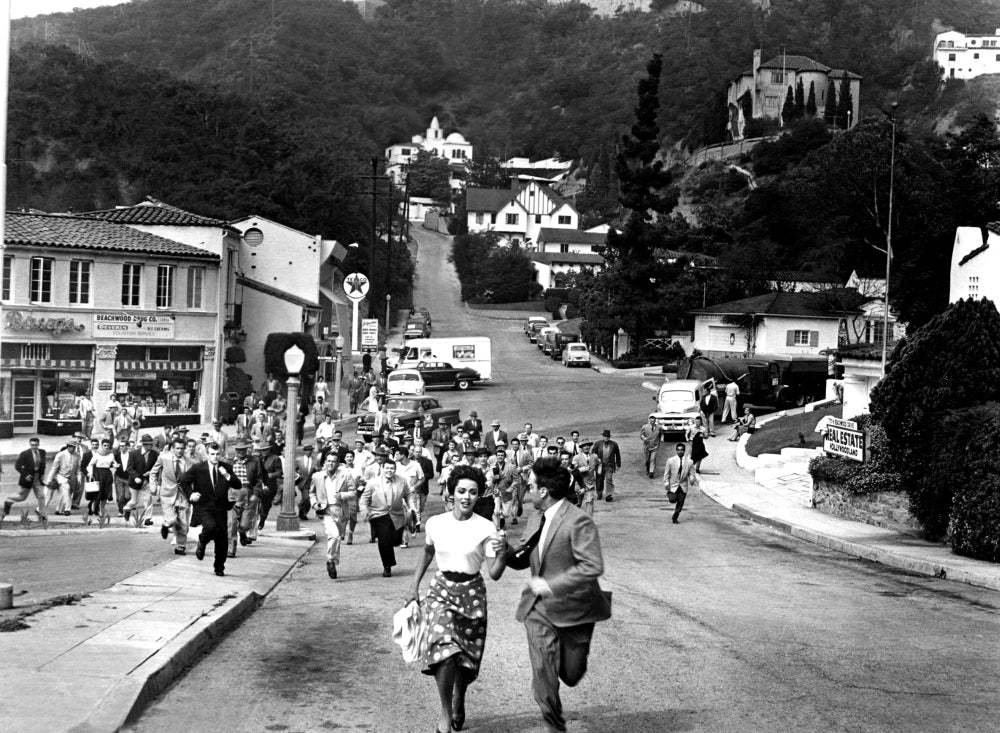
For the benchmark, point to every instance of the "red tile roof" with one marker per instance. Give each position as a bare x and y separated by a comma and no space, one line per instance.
76,232
152,211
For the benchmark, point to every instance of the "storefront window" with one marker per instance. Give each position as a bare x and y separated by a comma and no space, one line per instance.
60,391
161,393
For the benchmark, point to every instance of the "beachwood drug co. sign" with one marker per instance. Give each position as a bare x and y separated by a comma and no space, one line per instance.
842,438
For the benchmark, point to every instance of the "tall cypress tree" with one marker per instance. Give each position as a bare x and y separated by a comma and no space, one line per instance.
800,100
846,103
788,110
811,101
830,108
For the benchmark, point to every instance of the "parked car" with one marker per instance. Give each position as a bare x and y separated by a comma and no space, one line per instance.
443,374
543,334
405,411
419,311
404,381
560,340
530,320
535,328
418,326
575,354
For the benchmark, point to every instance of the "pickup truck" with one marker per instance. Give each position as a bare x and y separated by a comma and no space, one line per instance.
677,403
405,411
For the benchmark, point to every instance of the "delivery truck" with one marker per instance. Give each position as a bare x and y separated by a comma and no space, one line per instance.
475,352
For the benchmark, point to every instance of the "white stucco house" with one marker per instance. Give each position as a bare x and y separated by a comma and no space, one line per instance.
966,56
519,213
760,91
975,262
452,147
783,323
288,281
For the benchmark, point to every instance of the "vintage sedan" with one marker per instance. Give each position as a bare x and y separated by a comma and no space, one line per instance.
443,374
406,411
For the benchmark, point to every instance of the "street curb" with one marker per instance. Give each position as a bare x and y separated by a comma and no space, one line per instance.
873,554
143,684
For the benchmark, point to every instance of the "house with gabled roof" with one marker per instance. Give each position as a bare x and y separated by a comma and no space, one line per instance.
777,323
99,308
975,262
760,91
519,213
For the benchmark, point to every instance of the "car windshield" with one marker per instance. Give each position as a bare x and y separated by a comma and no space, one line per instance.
677,395
577,347
401,404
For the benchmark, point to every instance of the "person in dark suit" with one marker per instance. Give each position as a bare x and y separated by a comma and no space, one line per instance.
30,467
495,436
563,599
141,465
127,458
609,460
474,427
305,467
207,486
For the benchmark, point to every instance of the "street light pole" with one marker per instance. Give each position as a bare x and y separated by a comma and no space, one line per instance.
888,239
339,342
288,518
388,308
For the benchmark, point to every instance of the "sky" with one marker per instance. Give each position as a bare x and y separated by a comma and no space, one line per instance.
29,8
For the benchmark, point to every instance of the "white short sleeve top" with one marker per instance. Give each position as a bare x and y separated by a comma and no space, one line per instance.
460,546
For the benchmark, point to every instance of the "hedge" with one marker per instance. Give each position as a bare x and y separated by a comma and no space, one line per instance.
877,473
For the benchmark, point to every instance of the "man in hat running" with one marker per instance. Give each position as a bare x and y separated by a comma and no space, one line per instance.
609,460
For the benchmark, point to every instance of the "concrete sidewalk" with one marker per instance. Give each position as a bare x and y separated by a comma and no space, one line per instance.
93,665
782,503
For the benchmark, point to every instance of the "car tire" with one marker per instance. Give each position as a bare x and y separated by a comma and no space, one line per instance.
462,384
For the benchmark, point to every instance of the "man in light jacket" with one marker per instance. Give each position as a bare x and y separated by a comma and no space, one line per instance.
164,481
386,502
677,477
330,493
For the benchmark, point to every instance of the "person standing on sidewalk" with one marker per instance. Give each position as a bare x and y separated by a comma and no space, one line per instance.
164,481
729,407
650,437
386,503
85,406
677,478
305,467
30,467
708,404
330,493
207,486
609,460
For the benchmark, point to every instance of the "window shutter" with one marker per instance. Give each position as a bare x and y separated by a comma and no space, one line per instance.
789,338
814,338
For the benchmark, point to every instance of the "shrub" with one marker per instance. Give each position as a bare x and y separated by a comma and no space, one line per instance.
952,362
970,466
552,305
572,311
878,473
238,381
235,355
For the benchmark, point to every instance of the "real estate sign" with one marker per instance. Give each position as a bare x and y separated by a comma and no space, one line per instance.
369,333
842,438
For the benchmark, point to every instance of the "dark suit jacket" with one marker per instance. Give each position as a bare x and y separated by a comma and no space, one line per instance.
25,466
130,473
571,562
490,443
614,460
474,427
212,501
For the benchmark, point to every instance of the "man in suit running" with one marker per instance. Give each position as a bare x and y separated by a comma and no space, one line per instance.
677,478
562,599
30,467
206,485
330,492
164,481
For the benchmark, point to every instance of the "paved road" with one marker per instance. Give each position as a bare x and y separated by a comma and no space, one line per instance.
719,624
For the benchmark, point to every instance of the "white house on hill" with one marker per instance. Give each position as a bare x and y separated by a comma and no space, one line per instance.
975,262
454,148
563,251
518,214
761,90
962,56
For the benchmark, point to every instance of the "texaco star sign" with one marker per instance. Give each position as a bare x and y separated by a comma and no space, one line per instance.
356,286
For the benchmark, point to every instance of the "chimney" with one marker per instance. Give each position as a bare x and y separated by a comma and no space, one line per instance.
756,62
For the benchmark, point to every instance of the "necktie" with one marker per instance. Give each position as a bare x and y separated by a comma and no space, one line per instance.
215,480
177,469
35,454
531,543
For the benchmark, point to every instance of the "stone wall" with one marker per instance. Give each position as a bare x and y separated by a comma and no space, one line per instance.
890,509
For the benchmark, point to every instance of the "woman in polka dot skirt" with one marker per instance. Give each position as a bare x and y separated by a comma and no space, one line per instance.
455,605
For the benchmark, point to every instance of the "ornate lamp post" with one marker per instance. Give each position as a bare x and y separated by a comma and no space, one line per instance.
288,519
339,343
